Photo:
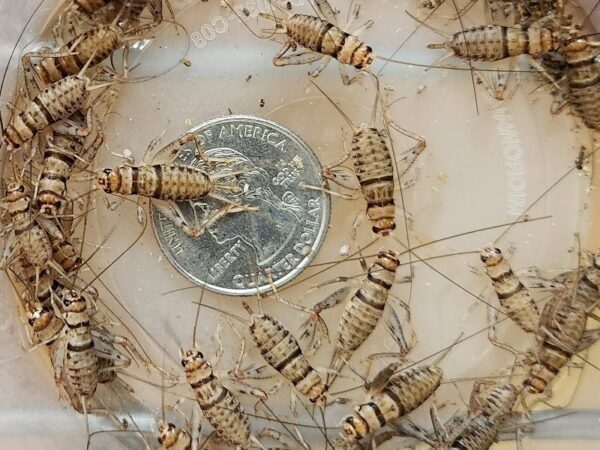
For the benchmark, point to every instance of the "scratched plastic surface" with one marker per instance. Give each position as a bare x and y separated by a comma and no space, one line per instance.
479,170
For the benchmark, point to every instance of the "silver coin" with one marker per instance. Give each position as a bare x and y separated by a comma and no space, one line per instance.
264,164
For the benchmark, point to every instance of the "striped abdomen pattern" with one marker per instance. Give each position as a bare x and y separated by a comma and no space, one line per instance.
218,404
515,299
583,74
281,350
562,326
323,37
374,169
365,308
96,45
81,360
482,430
164,182
58,101
403,393
495,42
33,240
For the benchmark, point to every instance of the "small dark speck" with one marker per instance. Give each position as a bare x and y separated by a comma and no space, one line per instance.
230,111
580,159
262,103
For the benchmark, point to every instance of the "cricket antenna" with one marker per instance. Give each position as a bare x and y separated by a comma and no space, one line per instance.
588,15
12,53
197,316
335,105
267,16
445,353
429,27
462,28
377,99
227,313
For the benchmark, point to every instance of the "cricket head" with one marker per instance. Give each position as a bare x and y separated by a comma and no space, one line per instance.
354,427
490,255
16,190
388,259
72,301
40,317
168,434
192,360
109,180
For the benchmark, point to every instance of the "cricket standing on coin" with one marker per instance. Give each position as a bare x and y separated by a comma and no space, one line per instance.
277,227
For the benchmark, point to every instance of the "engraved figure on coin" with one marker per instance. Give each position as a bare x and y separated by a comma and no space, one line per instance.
284,213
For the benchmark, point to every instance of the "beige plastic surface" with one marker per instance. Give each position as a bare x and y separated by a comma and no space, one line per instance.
478,170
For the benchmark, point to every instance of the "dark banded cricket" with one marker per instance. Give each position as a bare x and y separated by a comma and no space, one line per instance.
581,80
399,394
280,349
32,238
362,312
561,335
219,405
63,150
54,103
124,13
85,353
514,297
477,429
88,49
160,177
489,409
323,39
495,42
583,77
374,166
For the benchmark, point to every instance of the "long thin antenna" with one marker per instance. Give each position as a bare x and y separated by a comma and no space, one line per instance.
458,15
197,316
12,53
335,105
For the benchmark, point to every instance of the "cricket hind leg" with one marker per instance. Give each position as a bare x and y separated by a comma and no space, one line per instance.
410,156
296,58
314,328
492,318
32,78
174,214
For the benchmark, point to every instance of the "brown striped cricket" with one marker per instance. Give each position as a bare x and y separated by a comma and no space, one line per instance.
578,78
375,166
220,405
88,49
361,314
322,38
394,392
85,354
53,103
124,13
516,300
41,241
489,406
165,180
563,331
70,146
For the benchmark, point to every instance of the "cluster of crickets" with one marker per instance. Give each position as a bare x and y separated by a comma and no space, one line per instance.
56,129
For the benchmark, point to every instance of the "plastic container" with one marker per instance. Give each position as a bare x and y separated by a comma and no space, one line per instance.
479,170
